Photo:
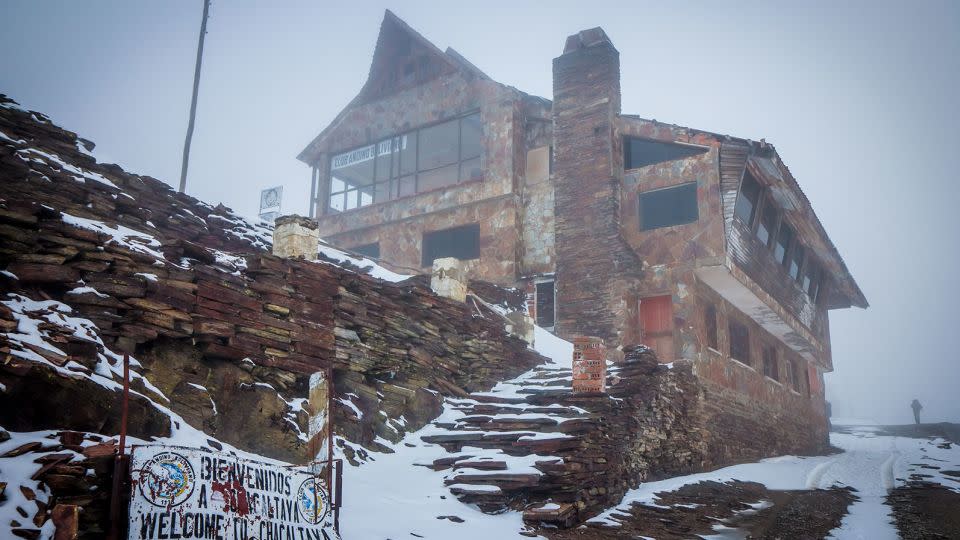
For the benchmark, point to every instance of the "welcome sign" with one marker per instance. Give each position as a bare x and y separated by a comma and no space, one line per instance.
192,493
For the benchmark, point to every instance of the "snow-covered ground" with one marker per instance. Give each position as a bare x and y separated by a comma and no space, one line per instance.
870,463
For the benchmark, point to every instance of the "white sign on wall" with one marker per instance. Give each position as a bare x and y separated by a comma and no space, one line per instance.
270,200
192,493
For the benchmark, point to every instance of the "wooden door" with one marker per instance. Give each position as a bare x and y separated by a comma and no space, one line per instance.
656,326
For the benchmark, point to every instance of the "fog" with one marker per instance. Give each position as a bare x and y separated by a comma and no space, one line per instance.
860,99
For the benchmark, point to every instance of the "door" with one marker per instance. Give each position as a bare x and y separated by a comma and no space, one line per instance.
656,326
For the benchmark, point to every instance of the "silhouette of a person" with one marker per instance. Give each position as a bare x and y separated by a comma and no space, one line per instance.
917,407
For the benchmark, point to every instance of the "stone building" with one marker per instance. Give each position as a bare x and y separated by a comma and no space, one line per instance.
700,245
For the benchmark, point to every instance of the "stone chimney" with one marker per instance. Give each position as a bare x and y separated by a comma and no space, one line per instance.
296,237
592,257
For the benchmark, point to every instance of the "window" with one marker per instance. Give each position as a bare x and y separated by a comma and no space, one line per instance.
811,276
545,309
770,368
368,250
784,238
739,342
669,206
747,199
459,242
793,374
642,152
796,261
768,223
430,158
710,326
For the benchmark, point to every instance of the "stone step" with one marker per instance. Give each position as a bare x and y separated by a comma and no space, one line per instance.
558,514
504,481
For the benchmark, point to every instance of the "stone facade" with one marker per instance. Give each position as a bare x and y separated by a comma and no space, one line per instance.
558,200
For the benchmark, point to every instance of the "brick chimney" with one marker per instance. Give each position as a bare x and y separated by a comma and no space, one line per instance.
593,260
296,237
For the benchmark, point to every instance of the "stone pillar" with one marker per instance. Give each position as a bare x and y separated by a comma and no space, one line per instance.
449,278
593,259
521,325
296,237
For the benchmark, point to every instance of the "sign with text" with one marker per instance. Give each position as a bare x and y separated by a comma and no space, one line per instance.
589,365
193,493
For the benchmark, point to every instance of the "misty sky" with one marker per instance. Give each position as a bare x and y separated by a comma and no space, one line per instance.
860,99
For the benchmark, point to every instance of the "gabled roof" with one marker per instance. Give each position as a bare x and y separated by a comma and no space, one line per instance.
402,59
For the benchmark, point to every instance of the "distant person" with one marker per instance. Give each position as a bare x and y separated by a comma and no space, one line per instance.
917,407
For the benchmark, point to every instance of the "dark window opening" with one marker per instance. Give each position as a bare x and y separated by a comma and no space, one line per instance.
794,375
421,160
642,152
768,222
784,238
459,242
545,309
368,250
770,368
739,342
796,261
710,324
811,276
669,206
747,199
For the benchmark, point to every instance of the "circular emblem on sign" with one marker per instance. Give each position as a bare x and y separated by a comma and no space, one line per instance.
312,501
167,479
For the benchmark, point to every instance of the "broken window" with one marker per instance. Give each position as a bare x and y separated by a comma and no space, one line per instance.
768,222
458,242
368,250
544,304
422,160
670,206
770,368
642,152
784,238
747,199
710,327
739,342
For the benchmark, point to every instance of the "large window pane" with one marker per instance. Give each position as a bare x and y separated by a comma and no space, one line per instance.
470,170
470,132
795,261
641,152
437,178
439,145
407,186
408,153
384,155
768,223
784,237
669,206
337,202
747,200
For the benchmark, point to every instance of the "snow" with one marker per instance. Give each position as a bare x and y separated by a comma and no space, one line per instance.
409,499
370,266
80,175
148,277
87,290
872,464
10,275
124,236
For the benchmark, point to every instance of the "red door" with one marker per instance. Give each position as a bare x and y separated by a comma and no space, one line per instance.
656,326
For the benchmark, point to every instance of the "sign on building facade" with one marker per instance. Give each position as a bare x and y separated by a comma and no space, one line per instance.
193,493
589,365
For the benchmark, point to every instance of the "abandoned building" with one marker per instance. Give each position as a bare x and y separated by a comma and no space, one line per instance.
699,245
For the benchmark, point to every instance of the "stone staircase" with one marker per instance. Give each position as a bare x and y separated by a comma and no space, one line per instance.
505,445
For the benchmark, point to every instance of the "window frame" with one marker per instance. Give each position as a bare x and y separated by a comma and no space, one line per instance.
553,302
426,234
733,323
770,357
396,176
682,185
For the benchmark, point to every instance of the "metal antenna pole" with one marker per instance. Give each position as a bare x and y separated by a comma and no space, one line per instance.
193,103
